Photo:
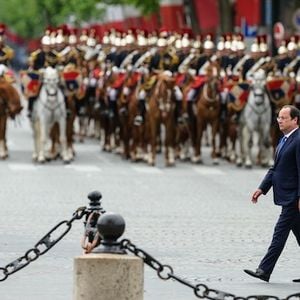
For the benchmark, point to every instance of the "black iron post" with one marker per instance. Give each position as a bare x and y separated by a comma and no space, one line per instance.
110,227
95,201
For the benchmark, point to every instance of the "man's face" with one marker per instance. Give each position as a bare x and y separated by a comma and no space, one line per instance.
285,122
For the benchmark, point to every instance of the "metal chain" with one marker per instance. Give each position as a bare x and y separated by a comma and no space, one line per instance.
42,246
165,272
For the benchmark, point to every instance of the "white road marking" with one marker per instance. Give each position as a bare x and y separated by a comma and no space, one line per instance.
22,167
147,170
208,170
84,168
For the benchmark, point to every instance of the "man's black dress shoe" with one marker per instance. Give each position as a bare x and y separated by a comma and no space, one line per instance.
296,280
259,273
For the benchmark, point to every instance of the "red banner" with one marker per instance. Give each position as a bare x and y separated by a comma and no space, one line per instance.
248,11
207,12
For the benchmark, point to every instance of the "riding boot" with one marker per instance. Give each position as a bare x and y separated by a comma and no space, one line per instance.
112,109
178,112
139,119
190,110
30,106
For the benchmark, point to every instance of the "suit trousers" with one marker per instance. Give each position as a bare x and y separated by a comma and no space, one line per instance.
289,220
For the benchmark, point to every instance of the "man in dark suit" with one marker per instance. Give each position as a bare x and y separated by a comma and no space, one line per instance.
284,177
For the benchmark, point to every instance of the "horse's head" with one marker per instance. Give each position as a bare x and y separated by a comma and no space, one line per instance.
258,86
210,91
51,80
164,92
259,79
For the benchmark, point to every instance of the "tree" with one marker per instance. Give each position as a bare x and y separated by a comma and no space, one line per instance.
226,15
30,18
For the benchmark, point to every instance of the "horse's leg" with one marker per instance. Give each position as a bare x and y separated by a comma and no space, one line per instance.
124,131
3,120
223,138
4,139
97,128
153,124
133,144
266,148
214,130
63,140
44,132
53,152
232,134
241,151
169,141
201,126
248,136
36,137
69,134
82,120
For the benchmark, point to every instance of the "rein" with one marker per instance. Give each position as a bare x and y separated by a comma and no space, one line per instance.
262,103
164,106
45,103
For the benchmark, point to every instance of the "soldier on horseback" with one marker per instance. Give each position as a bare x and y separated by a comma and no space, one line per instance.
6,52
38,60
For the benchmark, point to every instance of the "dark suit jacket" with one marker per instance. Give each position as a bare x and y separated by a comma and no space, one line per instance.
284,176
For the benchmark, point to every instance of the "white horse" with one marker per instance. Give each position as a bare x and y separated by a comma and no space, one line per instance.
256,118
49,108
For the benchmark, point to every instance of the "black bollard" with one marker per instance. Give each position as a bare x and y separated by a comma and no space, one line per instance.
95,210
110,227
95,203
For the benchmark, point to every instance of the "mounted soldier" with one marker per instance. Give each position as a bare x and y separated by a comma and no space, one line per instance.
37,61
6,52
294,65
71,52
46,55
282,60
261,59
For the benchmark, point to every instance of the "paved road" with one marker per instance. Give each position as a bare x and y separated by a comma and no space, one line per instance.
197,218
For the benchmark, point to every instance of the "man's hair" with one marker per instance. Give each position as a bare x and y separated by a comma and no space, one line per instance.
294,112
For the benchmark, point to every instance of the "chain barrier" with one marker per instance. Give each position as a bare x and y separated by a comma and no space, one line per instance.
164,272
43,245
202,291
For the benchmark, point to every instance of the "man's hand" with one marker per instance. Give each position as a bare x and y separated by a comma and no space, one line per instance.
255,195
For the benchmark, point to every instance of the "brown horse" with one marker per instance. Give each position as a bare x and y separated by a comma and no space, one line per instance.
139,134
208,113
74,92
161,111
71,82
185,129
127,111
10,106
232,103
107,96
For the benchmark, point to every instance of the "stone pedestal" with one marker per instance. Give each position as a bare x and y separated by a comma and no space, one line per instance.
108,277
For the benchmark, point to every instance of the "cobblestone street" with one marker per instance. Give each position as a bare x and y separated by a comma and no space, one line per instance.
196,218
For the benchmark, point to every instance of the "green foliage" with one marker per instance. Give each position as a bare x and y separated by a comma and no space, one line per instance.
29,18
145,6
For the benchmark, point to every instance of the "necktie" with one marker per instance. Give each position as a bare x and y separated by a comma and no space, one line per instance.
281,143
